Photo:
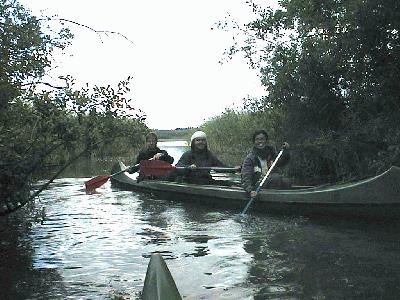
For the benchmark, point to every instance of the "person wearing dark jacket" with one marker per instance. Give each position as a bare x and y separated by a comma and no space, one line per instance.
257,162
151,151
197,156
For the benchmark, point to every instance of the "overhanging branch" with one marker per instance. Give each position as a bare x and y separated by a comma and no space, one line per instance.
98,32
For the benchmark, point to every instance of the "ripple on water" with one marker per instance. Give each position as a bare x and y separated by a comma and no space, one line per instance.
99,245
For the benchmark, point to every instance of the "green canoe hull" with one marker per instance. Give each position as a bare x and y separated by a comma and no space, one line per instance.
159,283
377,197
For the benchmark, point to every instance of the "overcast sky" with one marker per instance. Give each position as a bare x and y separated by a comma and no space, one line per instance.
174,58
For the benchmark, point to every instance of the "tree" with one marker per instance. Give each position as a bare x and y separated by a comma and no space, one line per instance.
55,125
332,68
25,50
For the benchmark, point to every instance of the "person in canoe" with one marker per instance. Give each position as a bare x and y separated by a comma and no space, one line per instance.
197,156
151,151
259,160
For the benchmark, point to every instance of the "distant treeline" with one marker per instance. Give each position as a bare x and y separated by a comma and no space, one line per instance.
176,134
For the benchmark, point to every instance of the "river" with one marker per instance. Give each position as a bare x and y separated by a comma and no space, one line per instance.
78,246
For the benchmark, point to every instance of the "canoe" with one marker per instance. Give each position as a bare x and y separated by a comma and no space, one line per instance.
159,283
376,197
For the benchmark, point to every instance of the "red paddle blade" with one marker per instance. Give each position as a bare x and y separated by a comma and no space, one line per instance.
96,182
155,168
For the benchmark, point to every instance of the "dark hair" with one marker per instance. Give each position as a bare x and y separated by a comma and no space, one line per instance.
257,132
151,135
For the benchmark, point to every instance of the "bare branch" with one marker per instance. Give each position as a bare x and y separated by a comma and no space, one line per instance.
45,83
98,32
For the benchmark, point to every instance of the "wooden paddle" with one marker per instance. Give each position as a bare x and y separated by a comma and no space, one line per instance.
98,181
163,168
261,183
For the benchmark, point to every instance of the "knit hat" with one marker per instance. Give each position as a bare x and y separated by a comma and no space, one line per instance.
198,135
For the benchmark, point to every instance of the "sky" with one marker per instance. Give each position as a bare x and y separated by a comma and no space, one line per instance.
173,56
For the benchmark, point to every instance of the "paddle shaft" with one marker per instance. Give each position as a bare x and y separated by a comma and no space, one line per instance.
207,168
124,170
162,168
98,181
262,182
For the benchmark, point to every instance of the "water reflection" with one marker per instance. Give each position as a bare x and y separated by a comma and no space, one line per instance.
174,148
99,245
96,246
18,278
307,259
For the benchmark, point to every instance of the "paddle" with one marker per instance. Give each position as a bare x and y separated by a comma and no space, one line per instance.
261,183
98,181
163,168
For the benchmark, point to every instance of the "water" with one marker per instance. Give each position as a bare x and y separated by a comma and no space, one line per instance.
98,247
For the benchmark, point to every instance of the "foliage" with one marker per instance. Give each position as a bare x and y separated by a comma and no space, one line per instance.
24,49
331,68
51,126
229,134
176,134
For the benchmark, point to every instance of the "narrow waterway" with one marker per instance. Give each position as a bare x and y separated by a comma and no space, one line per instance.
79,246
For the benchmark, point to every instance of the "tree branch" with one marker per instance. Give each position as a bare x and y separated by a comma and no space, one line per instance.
98,32
45,83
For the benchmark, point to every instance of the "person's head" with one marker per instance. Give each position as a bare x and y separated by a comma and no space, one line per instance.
151,140
198,141
260,138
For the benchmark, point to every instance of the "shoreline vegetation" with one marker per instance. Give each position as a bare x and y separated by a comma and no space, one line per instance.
178,134
331,91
